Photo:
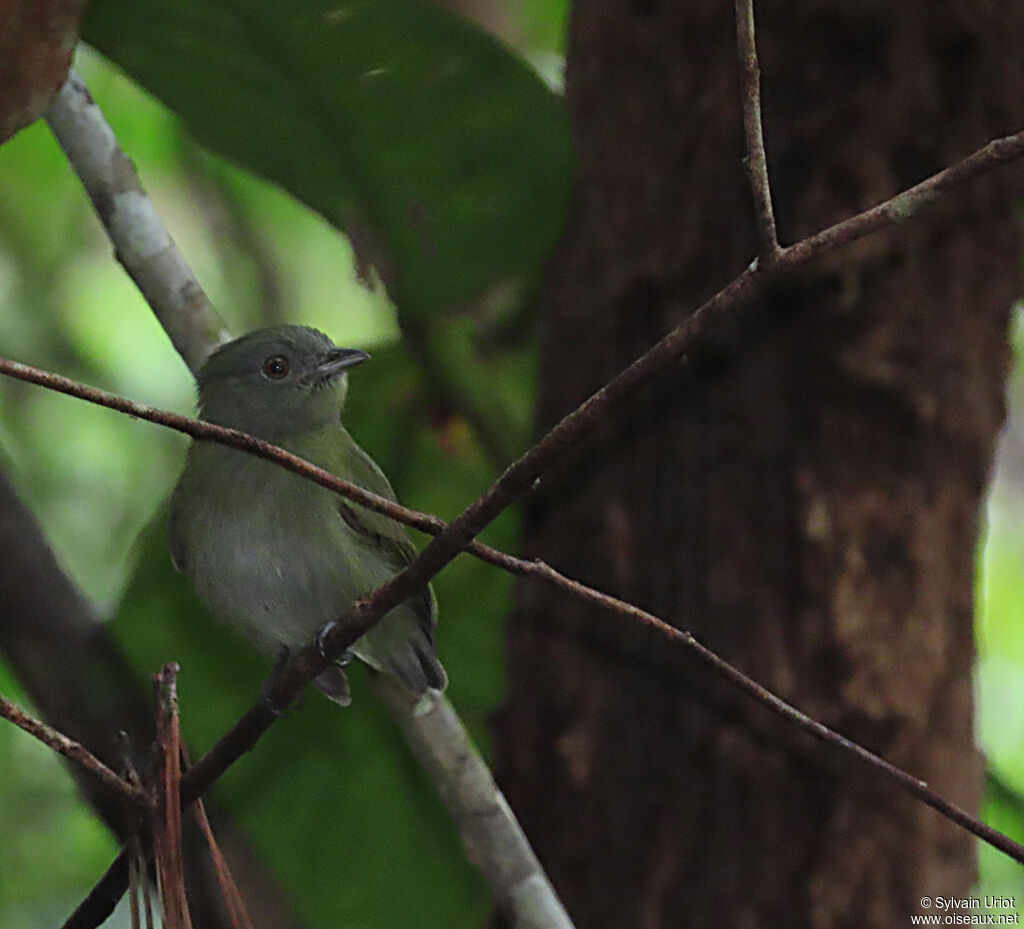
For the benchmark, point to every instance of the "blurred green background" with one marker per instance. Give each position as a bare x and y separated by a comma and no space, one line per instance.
457,211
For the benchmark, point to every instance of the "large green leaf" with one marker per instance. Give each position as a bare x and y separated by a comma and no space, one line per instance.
440,152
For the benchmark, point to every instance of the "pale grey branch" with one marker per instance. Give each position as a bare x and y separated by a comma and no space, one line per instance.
141,241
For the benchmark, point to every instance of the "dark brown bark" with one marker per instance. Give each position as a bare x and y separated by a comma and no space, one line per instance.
36,45
804,497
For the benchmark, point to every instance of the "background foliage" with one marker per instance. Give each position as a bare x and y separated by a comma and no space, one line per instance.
450,165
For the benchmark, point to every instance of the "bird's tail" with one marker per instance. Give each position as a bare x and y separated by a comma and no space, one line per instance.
400,647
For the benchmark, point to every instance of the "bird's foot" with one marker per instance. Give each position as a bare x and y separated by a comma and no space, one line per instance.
320,641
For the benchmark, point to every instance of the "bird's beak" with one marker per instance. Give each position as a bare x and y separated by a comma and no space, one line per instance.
337,360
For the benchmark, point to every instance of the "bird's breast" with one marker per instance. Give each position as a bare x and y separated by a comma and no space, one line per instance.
268,554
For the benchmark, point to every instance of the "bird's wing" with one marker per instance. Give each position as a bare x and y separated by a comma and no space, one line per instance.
384,536
174,540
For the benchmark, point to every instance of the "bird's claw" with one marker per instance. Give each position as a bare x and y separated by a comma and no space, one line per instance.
320,641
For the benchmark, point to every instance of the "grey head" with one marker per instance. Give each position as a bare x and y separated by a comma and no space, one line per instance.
284,380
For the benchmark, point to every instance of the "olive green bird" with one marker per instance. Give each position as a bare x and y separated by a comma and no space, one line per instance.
273,553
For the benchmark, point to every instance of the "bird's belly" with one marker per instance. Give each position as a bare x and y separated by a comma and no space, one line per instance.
279,588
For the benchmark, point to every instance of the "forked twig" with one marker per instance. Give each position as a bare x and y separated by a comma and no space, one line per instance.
72,750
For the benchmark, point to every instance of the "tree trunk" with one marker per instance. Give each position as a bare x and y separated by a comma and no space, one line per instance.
804,496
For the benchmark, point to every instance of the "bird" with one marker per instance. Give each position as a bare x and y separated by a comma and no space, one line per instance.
273,553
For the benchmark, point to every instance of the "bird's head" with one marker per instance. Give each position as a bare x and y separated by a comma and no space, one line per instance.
275,382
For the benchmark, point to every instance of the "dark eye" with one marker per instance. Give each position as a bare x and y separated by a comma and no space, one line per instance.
276,367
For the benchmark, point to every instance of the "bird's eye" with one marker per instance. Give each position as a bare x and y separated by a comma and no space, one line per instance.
276,367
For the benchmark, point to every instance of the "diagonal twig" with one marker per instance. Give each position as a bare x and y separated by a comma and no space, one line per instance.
199,429
167,839
570,432
896,210
74,751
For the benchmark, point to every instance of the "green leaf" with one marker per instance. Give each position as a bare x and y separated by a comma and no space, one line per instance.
440,152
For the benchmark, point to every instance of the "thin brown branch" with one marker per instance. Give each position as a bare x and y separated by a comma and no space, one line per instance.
135,881
898,209
167,839
563,438
233,902
569,433
138,872
105,894
198,429
914,786
73,751
756,162
566,436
